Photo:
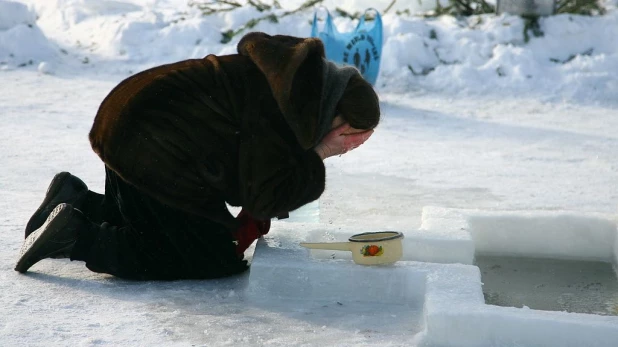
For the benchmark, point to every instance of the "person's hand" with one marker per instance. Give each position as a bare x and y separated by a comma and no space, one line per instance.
250,230
341,140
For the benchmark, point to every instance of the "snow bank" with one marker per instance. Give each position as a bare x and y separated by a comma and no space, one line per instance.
21,41
575,59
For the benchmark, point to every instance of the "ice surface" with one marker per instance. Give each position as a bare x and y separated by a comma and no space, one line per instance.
309,213
445,242
327,279
455,312
616,253
511,232
548,234
521,136
553,235
379,299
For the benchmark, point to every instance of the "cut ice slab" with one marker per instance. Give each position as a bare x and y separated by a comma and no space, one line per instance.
559,243
385,300
436,301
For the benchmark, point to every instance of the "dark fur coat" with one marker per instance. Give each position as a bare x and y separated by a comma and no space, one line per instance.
238,129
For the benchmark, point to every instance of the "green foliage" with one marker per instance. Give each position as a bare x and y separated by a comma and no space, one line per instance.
583,7
343,13
466,8
459,8
532,25
433,35
217,6
356,15
424,72
272,12
587,52
212,7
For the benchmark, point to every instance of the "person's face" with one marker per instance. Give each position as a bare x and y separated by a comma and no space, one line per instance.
338,120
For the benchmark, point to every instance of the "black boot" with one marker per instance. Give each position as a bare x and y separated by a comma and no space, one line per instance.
64,188
54,239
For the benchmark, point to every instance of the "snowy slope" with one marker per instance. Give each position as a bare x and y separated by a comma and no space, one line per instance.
576,59
495,124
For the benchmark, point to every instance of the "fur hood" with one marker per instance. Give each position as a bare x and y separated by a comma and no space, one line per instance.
290,65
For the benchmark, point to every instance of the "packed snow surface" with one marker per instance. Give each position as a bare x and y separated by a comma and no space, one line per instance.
473,118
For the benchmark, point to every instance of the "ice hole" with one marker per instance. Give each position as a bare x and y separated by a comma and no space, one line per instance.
551,262
550,284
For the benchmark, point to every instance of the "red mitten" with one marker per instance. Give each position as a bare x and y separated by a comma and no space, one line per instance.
250,230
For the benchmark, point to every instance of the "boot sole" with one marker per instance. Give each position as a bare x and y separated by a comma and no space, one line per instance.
56,221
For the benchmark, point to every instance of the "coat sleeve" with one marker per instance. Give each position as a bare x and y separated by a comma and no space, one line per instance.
276,178
278,169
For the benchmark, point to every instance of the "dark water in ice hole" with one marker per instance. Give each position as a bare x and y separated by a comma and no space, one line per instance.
549,284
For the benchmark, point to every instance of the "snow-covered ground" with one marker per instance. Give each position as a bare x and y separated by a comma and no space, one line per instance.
494,124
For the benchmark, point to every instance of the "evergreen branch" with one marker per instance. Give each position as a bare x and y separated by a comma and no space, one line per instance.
389,6
583,7
227,36
464,6
486,8
260,6
212,7
344,13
